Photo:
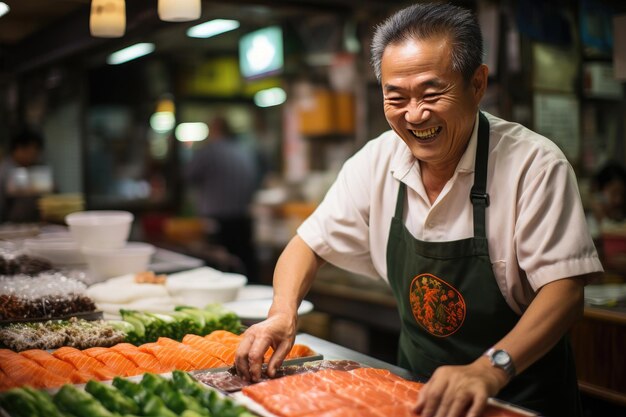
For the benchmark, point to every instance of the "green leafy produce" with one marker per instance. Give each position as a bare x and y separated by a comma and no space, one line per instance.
19,403
111,398
43,402
80,403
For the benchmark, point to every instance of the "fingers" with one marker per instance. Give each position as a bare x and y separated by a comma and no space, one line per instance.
242,355
255,357
277,358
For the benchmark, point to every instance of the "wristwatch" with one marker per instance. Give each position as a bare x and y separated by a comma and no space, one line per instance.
501,359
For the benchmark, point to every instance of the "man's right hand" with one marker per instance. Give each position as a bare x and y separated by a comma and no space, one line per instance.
278,332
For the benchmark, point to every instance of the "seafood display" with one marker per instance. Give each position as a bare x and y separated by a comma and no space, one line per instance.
42,369
229,381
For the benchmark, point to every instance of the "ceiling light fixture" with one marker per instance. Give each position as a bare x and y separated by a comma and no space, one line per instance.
4,8
107,18
179,10
212,28
132,52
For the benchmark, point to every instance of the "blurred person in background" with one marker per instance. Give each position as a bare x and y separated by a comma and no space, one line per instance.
224,175
18,200
608,202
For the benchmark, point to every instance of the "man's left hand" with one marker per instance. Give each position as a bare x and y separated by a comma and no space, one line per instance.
460,391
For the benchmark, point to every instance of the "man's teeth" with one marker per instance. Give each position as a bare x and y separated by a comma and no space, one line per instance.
425,134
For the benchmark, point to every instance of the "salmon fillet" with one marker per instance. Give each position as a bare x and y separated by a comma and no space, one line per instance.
23,371
141,359
85,363
169,357
225,353
114,360
56,366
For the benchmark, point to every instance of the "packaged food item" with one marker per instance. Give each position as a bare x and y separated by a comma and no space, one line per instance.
47,295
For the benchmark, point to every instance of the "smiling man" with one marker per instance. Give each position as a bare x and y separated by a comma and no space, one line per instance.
475,222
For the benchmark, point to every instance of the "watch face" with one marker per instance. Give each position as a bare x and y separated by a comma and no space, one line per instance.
501,358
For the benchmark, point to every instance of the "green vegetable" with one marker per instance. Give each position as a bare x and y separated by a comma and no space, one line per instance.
187,324
111,398
43,402
155,406
122,325
80,403
196,315
19,403
130,389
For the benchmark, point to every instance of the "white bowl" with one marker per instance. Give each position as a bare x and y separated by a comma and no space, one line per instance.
59,251
205,287
108,263
106,229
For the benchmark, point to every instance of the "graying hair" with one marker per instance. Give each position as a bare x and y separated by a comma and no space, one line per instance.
429,20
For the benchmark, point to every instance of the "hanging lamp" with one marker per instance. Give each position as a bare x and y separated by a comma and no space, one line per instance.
179,10
107,18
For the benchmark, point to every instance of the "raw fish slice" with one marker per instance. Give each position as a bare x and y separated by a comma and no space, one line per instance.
114,360
366,396
225,337
196,357
303,403
199,359
141,359
169,357
225,353
399,388
56,365
86,363
23,371
286,385
5,381
397,410
350,411
166,341
300,351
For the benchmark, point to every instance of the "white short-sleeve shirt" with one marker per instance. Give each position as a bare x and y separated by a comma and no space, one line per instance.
536,226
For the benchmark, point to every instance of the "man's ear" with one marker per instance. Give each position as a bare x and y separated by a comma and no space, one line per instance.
479,81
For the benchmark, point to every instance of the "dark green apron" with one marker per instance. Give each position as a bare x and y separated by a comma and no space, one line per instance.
452,309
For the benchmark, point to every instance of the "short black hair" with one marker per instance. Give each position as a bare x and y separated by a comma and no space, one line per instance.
428,20
26,137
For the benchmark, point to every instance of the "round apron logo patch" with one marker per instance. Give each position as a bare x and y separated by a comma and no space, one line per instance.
437,306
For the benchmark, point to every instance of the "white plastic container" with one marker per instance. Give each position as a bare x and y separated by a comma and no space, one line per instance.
203,286
58,250
101,229
108,263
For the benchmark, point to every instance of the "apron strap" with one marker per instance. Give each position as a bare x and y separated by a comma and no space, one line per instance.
478,194
400,201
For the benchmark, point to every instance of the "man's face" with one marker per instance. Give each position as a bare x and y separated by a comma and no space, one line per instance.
426,103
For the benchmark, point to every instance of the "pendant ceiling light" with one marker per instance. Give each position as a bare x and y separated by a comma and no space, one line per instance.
108,18
179,10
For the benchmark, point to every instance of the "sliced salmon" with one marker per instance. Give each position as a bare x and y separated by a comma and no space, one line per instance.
224,337
300,351
5,381
56,365
142,360
225,353
114,360
168,356
23,371
303,403
83,362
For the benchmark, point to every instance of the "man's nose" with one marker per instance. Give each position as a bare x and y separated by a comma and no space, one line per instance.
416,113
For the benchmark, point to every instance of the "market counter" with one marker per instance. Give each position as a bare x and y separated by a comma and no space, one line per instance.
598,340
